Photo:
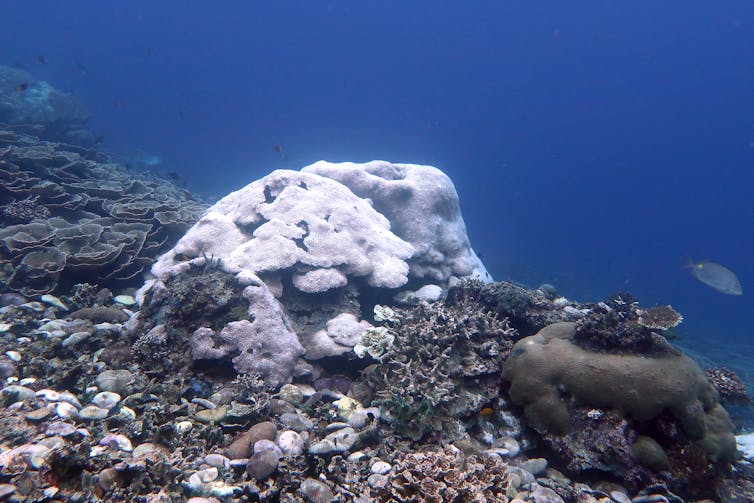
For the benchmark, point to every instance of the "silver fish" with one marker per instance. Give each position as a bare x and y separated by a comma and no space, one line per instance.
717,276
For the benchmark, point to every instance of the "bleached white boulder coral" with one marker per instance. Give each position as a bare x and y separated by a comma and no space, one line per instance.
422,206
318,242
289,221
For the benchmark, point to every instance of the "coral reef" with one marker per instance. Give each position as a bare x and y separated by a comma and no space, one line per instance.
70,215
325,255
729,386
37,106
442,367
304,381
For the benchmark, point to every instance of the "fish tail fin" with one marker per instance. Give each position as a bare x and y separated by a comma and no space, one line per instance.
688,263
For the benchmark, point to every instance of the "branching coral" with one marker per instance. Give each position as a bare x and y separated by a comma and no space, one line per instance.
443,365
448,476
731,388
619,324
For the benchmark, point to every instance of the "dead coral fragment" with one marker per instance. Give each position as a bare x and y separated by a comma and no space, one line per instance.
449,476
659,317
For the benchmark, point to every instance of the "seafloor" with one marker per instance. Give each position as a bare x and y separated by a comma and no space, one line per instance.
487,391
83,419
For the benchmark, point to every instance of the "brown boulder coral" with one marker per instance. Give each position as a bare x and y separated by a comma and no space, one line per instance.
665,396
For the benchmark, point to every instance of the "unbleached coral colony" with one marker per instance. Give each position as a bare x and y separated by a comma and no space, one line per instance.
295,277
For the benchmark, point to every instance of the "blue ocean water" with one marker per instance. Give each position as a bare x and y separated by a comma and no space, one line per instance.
596,145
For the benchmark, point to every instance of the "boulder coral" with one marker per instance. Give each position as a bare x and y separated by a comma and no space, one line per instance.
402,192
327,243
310,225
549,374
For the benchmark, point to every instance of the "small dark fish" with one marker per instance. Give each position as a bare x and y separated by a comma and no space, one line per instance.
174,176
23,86
335,382
41,60
82,69
116,104
717,276
280,150
12,299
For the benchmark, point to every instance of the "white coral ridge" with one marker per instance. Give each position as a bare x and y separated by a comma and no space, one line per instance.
745,444
329,223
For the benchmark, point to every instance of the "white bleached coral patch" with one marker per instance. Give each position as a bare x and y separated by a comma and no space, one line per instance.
422,205
304,222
